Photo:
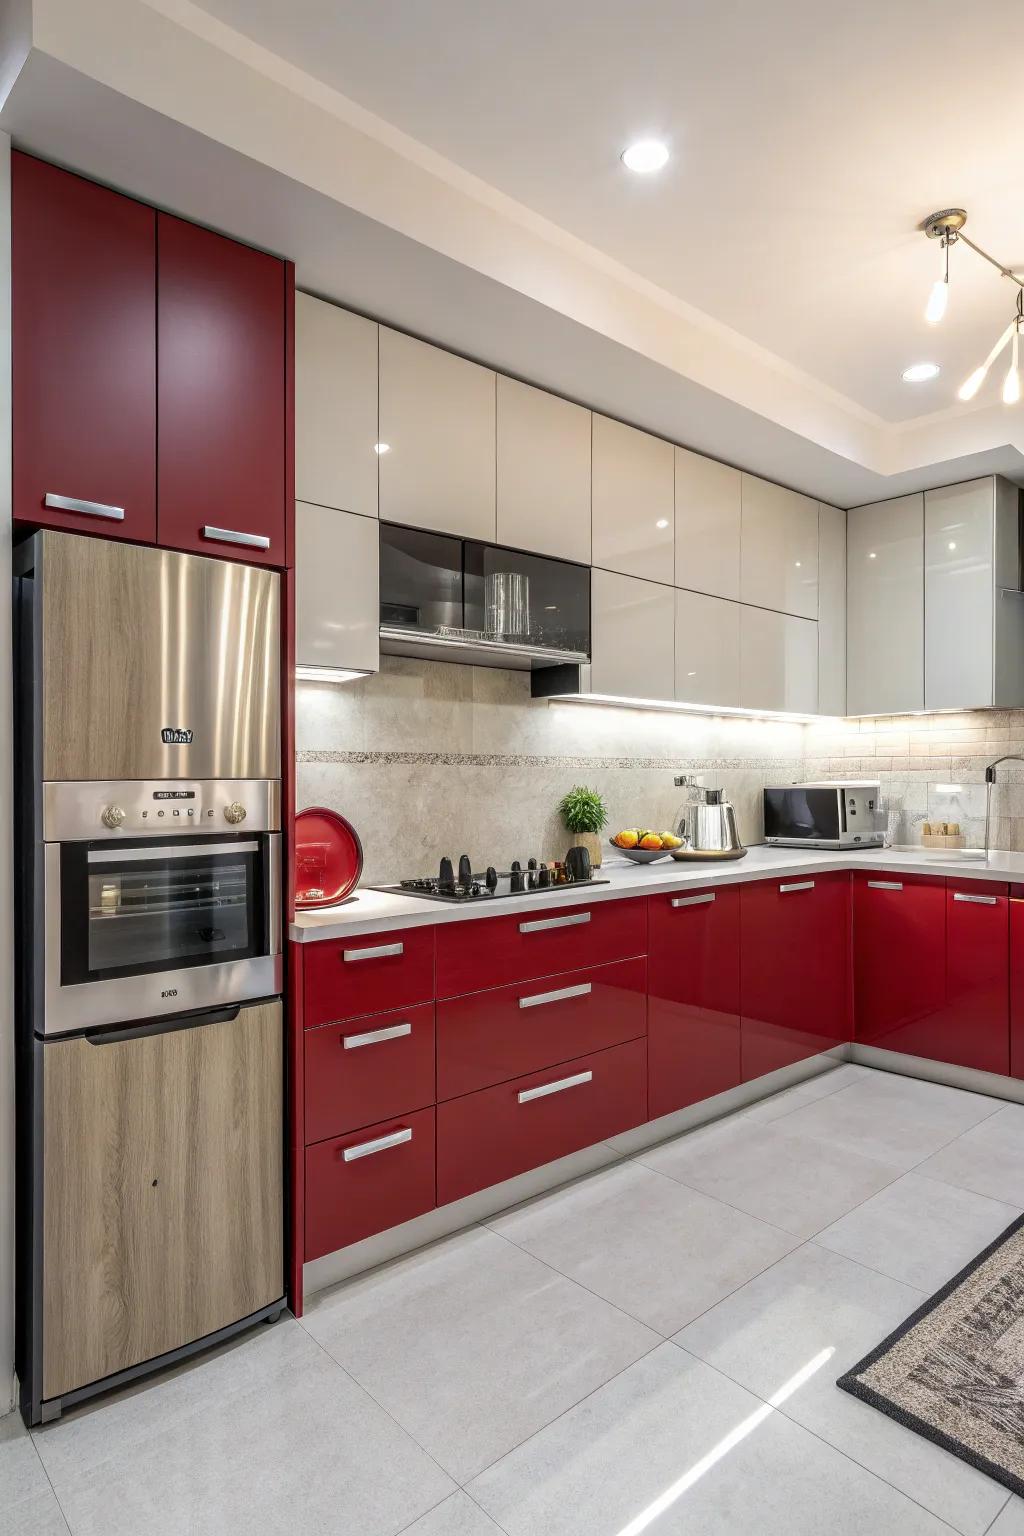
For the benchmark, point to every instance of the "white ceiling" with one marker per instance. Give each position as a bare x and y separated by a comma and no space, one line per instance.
807,139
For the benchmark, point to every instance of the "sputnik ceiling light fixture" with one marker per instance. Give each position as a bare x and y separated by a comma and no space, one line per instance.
947,226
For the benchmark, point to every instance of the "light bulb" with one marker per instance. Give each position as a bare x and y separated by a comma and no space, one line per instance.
969,388
1011,384
937,301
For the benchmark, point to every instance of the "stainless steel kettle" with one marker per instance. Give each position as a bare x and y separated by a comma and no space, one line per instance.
708,824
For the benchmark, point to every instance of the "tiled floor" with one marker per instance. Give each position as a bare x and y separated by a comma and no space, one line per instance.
654,1348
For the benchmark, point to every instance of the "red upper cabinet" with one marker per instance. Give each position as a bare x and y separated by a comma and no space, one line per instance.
693,1011
899,960
84,354
794,969
973,1029
221,389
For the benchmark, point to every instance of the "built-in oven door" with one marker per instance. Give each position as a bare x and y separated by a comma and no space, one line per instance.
149,926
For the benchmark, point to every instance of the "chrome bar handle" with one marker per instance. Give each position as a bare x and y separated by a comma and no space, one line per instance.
234,536
885,885
979,901
555,922
559,1087
693,901
90,508
379,1144
373,1036
377,952
797,885
539,998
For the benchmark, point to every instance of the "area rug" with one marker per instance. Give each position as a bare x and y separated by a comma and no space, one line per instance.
954,1371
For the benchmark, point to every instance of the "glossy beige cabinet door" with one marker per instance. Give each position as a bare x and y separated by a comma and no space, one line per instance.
337,590
707,519
707,650
543,472
959,595
632,637
779,553
437,417
633,502
831,610
885,607
335,407
778,661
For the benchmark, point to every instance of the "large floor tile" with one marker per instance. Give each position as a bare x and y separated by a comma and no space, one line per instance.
799,1185
814,1300
27,1502
918,1230
898,1120
988,1159
473,1345
457,1516
673,1447
267,1437
660,1251
1011,1521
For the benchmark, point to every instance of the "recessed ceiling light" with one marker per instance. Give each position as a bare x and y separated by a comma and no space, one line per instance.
645,156
920,373
380,448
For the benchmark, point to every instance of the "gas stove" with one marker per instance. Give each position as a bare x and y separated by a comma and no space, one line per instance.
464,885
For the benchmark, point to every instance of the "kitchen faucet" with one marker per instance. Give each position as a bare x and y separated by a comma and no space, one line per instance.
990,779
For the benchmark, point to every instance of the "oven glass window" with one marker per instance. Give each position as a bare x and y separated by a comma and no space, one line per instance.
132,910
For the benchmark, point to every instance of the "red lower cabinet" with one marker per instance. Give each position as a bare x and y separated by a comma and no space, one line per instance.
973,1029
367,973
794,970
493,1135
368,1068
899,960
693,1016
368,1180
500,950
489,1037
1017,981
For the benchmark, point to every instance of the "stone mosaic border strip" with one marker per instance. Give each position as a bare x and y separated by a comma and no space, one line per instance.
789,766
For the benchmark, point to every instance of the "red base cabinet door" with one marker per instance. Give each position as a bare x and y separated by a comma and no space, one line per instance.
499,950
973,1029
366,974
1017,981
367,1069
84,353
367,1181
693,1020
490,1136
899,960
221,387
794,970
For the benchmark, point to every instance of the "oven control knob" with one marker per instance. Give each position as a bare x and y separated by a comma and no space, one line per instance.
112,816
235,812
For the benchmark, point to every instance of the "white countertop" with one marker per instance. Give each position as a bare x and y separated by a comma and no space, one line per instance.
366,910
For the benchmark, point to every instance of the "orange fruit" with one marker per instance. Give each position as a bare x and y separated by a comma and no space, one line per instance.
627,839
651,841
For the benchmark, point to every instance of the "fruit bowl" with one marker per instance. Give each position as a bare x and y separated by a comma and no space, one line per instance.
641,855
643,846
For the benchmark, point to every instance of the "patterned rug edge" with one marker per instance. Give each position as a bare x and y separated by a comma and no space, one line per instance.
849,1382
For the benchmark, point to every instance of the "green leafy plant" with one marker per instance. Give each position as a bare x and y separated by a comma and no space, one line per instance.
583,810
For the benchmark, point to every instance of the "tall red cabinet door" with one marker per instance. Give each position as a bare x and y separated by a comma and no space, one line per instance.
84,354
693,1009
221,395
973,1029
794,970
1017,981
899,959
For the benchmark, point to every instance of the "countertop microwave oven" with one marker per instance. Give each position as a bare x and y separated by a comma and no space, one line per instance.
842,813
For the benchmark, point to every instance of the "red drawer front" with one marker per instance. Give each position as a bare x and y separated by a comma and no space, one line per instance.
368,1069
490,1136
347,1200
693,1021
498,950
488,1037
367,974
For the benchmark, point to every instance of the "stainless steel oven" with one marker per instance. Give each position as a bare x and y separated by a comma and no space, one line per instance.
159,897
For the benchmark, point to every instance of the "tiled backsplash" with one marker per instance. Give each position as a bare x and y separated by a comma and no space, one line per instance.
427,758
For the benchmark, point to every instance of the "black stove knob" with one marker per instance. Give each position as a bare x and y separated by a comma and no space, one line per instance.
543,876
516,866
491,878
531,863
446,874
515,883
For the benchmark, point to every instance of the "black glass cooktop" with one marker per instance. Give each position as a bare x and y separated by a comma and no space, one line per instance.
467,885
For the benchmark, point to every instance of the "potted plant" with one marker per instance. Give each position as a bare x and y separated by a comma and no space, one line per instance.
584,813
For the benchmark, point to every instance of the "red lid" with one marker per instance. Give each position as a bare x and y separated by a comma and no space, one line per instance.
328,858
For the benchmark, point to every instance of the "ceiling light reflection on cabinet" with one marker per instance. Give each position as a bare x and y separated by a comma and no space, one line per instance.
380,448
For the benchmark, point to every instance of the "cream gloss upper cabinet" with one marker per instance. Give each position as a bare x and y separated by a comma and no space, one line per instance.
707,650
543,472
335,407
779,549
437,439
633,502
337,590
707,518
778,661
632,637
973,608
885,607
831,610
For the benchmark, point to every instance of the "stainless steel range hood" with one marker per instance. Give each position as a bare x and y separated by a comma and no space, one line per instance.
472,647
